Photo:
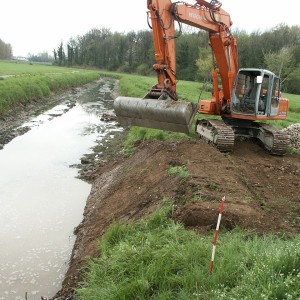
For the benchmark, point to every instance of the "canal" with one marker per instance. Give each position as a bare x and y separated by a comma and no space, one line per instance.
41,198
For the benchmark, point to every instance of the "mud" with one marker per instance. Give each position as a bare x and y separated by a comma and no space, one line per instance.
262,192
11,122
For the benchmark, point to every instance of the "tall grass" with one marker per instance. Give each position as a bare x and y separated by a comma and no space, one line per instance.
16,90
158,259
34,82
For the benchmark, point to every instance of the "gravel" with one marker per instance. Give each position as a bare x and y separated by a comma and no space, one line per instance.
294,132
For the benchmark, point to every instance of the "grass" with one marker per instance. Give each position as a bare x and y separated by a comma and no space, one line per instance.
34,82
180,171
158,259
25,68
137,86
139,134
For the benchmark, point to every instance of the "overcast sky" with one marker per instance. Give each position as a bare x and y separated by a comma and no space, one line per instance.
34,26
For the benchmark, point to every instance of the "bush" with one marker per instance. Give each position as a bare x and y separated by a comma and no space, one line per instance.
292,84
143,69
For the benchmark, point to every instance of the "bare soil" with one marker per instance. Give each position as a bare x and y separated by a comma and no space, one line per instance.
262,193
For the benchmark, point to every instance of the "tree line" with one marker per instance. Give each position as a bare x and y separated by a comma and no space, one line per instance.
277,50
5,50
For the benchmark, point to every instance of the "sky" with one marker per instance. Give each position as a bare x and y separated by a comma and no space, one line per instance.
35,26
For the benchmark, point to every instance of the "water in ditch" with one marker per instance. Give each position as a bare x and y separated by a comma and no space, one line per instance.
41,200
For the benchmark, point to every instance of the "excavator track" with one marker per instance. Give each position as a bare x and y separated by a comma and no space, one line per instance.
217,133
275,141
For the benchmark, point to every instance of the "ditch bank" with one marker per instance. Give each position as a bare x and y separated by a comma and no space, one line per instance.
262,191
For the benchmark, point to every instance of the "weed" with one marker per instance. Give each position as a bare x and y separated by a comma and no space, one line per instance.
144,171
247,199
293,151
139,134
197,198
213,186
180,171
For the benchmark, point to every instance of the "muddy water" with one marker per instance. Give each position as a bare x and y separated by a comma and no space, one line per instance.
41,200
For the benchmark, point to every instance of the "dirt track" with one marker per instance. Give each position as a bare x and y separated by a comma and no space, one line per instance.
262,192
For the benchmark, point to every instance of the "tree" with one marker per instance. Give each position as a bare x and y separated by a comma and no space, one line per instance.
280,63
292,83
55,55
61,54
188,52
142,48
204,64
277,49
5,50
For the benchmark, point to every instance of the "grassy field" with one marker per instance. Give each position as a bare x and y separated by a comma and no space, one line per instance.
22,82
25,68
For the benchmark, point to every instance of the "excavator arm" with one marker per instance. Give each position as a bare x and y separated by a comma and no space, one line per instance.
203,15
162,21
158,108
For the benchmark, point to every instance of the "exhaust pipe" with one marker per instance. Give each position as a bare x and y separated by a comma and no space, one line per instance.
167,114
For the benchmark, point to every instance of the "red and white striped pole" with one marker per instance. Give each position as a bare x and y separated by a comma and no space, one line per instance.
216,237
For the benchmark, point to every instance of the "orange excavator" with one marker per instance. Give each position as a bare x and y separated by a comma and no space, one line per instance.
246,95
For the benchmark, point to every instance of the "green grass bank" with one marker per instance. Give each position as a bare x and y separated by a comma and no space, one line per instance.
158,259
21,83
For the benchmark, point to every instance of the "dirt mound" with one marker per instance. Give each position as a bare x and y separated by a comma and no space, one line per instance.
262,192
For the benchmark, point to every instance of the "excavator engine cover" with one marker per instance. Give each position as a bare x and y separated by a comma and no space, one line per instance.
167,114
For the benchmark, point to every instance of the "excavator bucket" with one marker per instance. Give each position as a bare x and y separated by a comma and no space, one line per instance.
167,114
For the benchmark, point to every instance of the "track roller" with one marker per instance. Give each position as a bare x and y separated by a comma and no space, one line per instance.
217,133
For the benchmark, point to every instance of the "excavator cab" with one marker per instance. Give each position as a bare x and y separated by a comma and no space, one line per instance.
256,93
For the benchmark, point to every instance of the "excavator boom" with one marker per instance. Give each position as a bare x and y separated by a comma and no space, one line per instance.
160,107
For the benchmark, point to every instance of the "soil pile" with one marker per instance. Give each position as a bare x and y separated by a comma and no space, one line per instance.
262,192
